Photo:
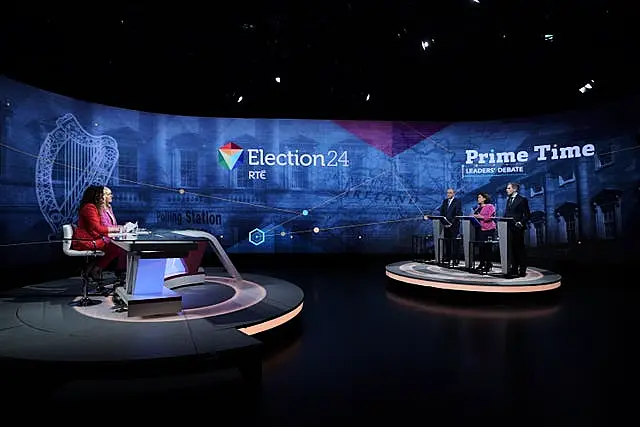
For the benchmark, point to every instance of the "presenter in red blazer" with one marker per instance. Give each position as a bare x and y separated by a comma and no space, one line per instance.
91,234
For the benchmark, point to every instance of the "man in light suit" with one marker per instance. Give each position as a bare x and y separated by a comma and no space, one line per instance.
451,208
518,209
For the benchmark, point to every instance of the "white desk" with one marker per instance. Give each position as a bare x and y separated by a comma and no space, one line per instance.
149,254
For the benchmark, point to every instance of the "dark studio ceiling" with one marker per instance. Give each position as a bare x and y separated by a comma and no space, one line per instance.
413,60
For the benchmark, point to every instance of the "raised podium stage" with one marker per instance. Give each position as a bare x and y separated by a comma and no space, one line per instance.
432,275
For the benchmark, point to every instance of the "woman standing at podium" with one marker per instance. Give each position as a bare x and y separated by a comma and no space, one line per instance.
484,213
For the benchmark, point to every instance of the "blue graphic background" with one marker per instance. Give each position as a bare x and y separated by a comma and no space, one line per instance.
167,175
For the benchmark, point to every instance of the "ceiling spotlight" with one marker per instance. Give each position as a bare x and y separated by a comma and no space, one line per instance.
240,99
368,97
587,86
278,79
425,44
548,37
476,1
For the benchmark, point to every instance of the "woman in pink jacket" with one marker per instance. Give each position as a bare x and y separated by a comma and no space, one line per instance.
108,219
485,213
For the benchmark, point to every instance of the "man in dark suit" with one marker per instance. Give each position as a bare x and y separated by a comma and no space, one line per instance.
451,208
518,209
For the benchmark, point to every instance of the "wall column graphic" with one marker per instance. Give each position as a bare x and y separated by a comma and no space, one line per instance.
549,204
160,151
584,190
6,114
208,130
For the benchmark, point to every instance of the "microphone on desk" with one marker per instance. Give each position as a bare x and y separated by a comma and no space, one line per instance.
477,209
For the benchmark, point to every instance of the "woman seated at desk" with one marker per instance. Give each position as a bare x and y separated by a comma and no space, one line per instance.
485,213
108,219
92,234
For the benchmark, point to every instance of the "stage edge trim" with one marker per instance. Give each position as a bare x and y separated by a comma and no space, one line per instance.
273,323
474,288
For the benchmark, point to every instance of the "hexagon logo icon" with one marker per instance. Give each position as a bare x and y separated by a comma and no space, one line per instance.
256,237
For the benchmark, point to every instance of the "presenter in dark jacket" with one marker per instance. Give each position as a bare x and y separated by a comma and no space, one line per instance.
451,208
518,209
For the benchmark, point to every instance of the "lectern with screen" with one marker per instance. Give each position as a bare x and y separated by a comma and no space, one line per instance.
439,222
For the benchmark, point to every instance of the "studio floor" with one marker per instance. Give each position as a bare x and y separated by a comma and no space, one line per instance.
369,351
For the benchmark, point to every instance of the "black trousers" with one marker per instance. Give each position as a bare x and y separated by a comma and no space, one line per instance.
518,251
485,249
451,249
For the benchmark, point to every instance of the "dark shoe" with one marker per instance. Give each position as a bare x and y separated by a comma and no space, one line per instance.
522,274
512,275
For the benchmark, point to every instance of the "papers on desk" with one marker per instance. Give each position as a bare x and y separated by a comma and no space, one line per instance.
130,227
129,230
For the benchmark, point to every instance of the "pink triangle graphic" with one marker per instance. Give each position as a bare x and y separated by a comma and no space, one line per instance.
392,138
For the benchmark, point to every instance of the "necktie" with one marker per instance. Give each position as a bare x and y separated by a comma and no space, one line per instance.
450,200
510,200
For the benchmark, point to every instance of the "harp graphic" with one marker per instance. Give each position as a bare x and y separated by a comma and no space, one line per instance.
78,159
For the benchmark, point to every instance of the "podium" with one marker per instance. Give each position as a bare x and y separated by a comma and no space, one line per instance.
438,233
469,224
504,237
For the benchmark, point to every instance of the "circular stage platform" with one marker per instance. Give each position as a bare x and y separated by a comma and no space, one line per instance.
39,325
432,275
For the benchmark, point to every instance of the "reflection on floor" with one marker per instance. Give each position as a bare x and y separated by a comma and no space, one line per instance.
370,351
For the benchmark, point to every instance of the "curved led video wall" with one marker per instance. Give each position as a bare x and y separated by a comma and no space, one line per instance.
312,186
